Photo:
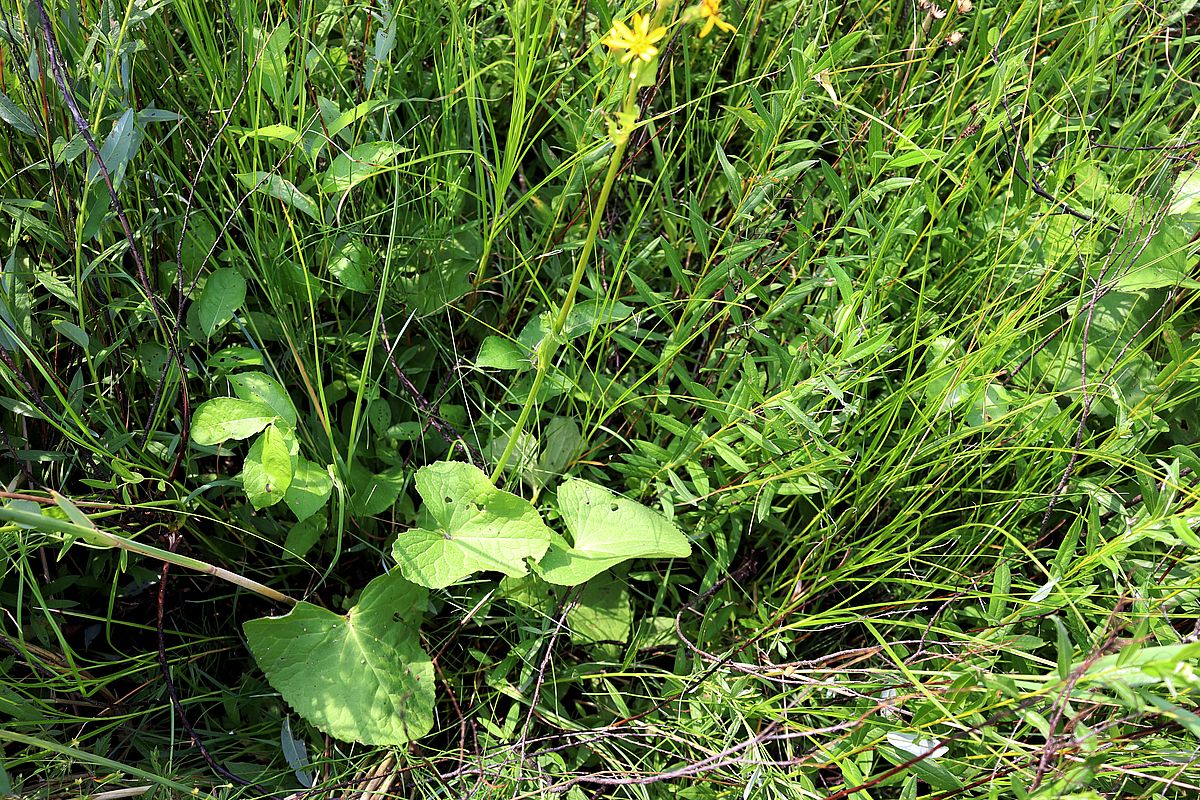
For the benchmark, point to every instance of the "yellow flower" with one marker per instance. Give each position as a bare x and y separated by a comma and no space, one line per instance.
710,12
636,39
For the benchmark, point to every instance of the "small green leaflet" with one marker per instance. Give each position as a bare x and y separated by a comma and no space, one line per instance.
225,418
361,677
468,526
607,530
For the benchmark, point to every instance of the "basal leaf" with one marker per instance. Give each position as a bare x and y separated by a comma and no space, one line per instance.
603,613
607,530
469,526
361,677
359,163
225,418
224,292
310,489
267,474
258,387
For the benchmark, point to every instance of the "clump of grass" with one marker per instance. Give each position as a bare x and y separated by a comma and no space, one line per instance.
890,308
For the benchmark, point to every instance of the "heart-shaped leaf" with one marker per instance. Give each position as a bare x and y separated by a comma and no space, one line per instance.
362,677
468,526
607,530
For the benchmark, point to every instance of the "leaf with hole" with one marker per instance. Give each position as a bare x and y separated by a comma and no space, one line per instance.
267,473
606,531
360,677
467,525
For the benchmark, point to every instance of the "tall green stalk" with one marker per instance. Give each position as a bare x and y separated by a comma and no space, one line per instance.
549,345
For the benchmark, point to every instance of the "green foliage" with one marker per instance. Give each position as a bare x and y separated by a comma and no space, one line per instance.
360,677
811,414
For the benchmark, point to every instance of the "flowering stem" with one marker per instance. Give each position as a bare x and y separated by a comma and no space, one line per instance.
549,344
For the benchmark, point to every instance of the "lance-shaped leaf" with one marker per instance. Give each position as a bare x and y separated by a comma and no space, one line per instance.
468,526
607,530
361,677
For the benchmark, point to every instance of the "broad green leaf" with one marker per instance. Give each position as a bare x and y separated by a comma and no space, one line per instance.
225,418
267,474
1165,262
224,292
562,441
373,494
359,163
1186,193
347,118
119,148
258,387
361,677
72,331
280,188
274,67
497,352
278,132
469,526
310,489
303,535
607,530
351,267
603,613
233,357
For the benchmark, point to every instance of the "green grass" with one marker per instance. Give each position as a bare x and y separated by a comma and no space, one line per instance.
902,334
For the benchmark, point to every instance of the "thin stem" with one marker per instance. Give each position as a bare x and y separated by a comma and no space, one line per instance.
101,538
549,345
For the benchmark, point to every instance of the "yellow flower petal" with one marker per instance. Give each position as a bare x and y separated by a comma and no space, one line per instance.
708,26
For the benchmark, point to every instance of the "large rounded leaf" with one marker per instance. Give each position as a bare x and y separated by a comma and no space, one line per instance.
362,677
469,526
607,530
